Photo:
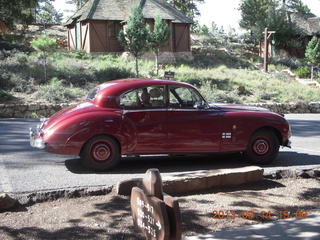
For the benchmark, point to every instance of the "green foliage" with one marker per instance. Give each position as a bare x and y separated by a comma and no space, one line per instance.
56,91
79,3
221,77
135,36
158,38
46,13
256,15
5,96
187,7
44,44
303,72
201,29
17,10
312,53
297,6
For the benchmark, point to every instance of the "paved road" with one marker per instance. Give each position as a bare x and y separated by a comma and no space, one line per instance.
24,170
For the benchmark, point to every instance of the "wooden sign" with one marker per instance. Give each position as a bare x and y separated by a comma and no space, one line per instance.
155,214
169,75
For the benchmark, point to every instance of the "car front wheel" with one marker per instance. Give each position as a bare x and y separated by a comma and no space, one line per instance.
263,147
100,153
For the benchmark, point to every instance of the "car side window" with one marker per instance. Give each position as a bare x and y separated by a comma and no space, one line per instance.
182,97
147,97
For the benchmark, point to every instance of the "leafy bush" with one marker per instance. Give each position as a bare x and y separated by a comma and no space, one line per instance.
56,92
5,96
292,63
303,72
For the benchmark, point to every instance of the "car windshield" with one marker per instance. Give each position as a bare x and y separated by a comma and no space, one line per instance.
93,92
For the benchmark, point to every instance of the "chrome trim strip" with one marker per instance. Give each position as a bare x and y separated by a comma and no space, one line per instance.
167,109
145,110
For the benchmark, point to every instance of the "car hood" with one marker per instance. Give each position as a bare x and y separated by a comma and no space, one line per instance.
238,107
68,113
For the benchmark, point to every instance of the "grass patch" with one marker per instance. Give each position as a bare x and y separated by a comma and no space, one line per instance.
219,75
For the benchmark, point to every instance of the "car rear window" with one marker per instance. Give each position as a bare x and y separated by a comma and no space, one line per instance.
93,92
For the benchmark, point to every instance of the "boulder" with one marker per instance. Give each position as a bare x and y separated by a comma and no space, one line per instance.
6,202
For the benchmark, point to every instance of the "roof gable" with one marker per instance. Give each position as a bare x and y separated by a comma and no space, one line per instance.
120,10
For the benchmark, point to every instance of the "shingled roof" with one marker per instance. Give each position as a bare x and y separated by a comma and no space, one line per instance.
121,9
308,24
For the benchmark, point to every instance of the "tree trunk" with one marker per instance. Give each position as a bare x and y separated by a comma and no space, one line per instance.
157,62
311,73
45,67
137,67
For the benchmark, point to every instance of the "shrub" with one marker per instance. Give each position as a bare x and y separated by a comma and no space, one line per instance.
112,73
45,46
303,72
5,96
56,92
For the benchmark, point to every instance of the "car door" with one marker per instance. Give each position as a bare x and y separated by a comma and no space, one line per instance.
144,119
192,126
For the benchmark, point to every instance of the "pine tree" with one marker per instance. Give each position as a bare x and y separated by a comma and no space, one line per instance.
296,6
47,14
158,38
44,45
187,7
135,35
312,53
20,11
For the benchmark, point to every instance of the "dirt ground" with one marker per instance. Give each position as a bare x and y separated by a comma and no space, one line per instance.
109,217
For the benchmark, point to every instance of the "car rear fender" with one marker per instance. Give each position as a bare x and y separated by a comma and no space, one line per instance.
93,125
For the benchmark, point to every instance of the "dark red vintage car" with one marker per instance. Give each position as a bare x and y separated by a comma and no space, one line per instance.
148,116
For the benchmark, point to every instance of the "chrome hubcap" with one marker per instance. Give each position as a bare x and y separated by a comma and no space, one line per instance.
261,147
101,152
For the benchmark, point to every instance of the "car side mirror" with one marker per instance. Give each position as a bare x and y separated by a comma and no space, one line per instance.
199,105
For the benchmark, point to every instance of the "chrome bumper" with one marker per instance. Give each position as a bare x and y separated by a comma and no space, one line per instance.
35,139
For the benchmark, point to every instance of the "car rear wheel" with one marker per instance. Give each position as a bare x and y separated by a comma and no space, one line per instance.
100,153
263,147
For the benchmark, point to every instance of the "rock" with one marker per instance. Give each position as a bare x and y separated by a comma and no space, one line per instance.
124,187
289,173
199,180
316,172
6,202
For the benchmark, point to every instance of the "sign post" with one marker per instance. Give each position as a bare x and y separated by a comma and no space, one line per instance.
267,35
155,214
169,75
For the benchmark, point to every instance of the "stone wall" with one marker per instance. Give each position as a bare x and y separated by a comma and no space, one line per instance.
29,111
41,110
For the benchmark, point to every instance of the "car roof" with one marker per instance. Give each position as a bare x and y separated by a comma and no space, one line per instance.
110,90
117,87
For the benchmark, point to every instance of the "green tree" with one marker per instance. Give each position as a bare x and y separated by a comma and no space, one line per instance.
256,15
44,45
135,35
296,6
79,3
312,53
187,7
158,38
46,13
20,11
